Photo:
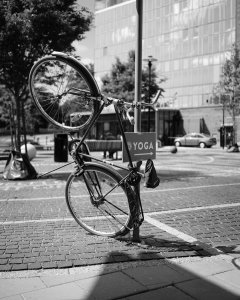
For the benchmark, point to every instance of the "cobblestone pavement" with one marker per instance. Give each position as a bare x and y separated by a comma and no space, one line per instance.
194,211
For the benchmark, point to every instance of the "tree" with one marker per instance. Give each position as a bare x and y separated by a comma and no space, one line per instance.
121,80
30,29
5,101
229,86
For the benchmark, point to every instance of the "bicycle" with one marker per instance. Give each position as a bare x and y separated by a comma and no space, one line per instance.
100,199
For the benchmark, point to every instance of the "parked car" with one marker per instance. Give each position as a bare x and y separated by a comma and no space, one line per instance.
195,140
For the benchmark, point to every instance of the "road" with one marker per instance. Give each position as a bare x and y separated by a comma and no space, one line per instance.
194,211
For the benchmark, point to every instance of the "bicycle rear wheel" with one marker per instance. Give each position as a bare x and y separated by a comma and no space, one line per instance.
63,91
98,201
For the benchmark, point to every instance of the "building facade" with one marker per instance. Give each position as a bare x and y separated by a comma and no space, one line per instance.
190,40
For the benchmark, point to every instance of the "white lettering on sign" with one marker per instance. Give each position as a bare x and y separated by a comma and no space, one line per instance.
140,145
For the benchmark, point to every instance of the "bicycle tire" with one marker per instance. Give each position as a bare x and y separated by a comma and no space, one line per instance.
105,216
61,88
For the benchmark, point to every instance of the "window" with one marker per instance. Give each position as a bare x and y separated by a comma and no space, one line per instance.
195,32
105,51
185,34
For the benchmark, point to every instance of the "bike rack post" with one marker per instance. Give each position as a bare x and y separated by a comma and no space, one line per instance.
137,94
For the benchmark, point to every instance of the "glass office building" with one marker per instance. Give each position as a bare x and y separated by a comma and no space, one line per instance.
190,40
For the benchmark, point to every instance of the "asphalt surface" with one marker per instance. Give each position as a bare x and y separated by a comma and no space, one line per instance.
193,212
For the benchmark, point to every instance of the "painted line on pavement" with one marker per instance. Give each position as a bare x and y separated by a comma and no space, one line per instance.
182,210
37,221
147,215
189,188
183,236
142,192
31,199
171,230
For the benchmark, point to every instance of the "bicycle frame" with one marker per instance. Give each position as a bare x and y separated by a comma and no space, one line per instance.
119,117
136,207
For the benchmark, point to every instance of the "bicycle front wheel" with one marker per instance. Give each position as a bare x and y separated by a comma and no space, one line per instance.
63,91
98,200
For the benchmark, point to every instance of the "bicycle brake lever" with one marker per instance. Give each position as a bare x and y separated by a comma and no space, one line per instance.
130,118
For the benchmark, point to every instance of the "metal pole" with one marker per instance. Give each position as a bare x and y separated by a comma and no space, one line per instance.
149,92
138,66
138,90
223,128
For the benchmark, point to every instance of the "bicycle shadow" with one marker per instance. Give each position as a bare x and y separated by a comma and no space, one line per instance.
158,279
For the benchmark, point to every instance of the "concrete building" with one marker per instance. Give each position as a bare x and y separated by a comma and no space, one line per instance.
189,39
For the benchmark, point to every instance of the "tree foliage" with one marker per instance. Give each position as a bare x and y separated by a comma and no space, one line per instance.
229,86
5,102
121,80
30,29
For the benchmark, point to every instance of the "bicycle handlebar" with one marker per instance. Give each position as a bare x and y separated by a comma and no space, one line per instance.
128,106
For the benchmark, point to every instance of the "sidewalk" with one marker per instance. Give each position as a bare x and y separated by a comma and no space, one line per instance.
212,278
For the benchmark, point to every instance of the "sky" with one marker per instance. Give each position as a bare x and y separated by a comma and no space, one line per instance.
85,48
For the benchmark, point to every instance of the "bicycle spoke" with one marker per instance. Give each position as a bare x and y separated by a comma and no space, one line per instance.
60,91
107,201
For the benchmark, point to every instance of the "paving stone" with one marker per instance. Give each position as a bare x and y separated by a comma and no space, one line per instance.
59,257
207,268
11,251
79,262
10,287
49,265
230,277
63,292
16,297
15,260
168,293
110,286
64,264
53,280
43,259
158,276
19,267
3,261
6,267
202,289
34,266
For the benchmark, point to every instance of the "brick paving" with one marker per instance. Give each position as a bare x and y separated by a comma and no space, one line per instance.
216,227
45,199
65,244
33,234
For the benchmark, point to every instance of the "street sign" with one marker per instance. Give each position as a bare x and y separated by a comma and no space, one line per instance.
142,146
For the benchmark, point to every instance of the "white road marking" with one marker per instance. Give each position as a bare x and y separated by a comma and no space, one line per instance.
182,210
32,199
188,188
36,221
148,216
171,230
142,192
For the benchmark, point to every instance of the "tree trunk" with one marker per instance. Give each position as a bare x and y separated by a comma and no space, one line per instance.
234,126
24,128
18,127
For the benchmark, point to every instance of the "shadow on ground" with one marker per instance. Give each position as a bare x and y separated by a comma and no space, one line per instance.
163,280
